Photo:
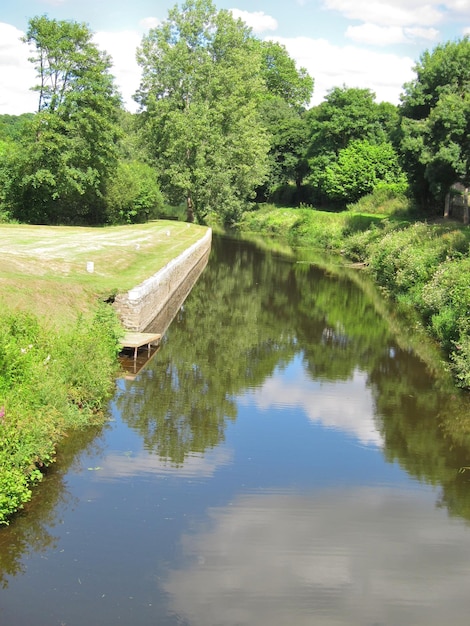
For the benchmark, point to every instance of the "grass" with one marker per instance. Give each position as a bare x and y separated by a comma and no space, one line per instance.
43,269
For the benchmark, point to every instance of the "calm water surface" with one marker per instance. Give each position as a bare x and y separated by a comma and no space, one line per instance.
284,458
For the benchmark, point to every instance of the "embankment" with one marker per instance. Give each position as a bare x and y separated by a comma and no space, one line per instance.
141,305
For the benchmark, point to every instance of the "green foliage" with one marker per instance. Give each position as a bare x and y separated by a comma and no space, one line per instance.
200,89
344,132
288,132
50,383
446,298
385,199
133,194
68,150
282,78
11,126
360,168
435,127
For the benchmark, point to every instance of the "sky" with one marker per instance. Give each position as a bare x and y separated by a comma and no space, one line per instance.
356,43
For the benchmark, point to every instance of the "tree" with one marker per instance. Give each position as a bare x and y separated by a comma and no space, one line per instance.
435,122
288,91
199,94
68,151
360,168
282,78
346,115
288,132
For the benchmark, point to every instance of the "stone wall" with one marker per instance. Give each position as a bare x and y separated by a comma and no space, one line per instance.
141,305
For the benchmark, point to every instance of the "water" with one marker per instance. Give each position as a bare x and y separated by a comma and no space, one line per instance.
285,458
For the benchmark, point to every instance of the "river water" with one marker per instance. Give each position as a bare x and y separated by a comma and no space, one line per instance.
288,456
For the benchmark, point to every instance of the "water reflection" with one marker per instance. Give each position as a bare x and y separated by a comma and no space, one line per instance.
285,457
354,557
347,406
119,466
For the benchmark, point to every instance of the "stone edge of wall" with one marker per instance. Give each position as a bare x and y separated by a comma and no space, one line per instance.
141,304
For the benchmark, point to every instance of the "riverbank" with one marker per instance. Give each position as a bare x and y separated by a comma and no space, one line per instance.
423,266
59,338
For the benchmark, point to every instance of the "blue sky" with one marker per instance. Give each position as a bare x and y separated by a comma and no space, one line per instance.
358,43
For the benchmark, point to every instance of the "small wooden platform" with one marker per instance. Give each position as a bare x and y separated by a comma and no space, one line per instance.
137,340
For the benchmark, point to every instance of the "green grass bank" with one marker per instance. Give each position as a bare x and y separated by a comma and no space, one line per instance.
424,266
58,337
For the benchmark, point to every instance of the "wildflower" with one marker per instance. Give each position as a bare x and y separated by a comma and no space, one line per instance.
2,414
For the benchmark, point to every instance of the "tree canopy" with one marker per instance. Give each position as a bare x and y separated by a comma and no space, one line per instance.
343,155
435,127
199,93
69,149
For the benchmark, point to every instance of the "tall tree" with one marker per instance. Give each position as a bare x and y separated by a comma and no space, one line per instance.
69,149
199,94
288,131
435,125
288,91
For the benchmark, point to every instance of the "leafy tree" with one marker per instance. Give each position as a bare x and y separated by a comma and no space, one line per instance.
435,125
288,91
360,168
68,151
346,115
200,90
11,126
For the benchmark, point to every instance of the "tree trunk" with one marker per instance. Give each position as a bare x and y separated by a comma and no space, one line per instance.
189,209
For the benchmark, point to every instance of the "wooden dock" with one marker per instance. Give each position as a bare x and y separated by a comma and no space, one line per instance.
138,340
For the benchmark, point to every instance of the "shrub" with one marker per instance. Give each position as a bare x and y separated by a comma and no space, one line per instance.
50,383
133,195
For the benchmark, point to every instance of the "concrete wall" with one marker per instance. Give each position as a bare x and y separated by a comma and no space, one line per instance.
141,305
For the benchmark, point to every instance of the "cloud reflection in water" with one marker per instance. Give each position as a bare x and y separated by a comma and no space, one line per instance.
276,559
343,405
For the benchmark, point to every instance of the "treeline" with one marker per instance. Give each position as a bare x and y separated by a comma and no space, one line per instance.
223,124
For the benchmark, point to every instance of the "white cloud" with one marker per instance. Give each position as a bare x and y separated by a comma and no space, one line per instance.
257,20
333,66
119,466
345,557
122,47
150,22
372,34
466,31
424,34
17,74
391,13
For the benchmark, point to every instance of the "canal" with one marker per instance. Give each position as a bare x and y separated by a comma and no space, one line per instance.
290,455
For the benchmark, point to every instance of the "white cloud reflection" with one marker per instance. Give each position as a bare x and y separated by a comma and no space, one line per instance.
343,405
346,558
123,465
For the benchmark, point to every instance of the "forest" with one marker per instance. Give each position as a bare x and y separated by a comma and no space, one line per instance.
224,127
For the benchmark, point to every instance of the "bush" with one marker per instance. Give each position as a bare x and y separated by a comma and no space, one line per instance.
50,383
133,195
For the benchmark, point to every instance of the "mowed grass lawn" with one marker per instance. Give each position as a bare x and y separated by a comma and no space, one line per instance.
44,269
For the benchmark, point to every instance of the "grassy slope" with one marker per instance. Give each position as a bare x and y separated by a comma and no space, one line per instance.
43,269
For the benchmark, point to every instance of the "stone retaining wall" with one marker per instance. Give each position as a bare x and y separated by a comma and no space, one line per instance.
141,305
